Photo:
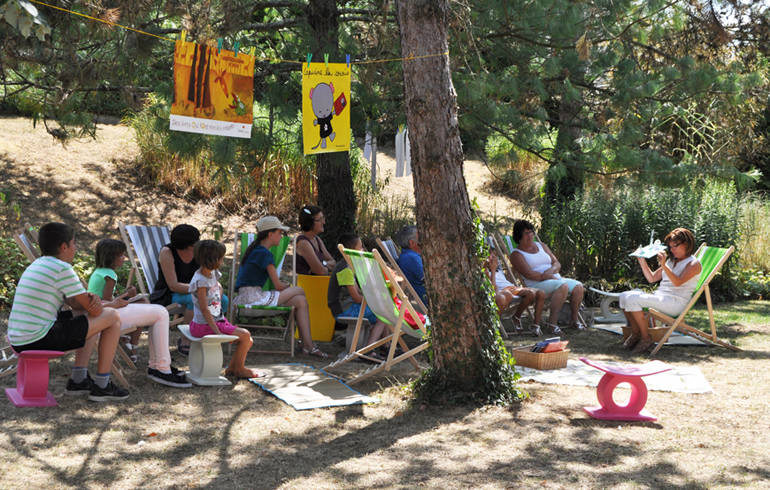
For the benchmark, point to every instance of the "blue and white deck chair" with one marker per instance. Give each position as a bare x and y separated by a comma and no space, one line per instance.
371,273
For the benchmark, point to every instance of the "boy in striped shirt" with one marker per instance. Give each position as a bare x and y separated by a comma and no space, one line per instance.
36,322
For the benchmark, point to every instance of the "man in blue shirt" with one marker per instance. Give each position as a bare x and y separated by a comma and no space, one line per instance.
410,260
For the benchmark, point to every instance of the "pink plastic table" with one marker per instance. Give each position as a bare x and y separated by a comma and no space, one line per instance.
32,379
615,375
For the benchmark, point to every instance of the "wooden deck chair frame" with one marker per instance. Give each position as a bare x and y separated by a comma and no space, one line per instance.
242,240
26,239
678,323
387,247
143,260
396,321
508,245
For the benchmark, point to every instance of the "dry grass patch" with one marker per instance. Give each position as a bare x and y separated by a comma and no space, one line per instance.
240,436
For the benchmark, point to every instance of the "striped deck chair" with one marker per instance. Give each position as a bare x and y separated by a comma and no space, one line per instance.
238,312
712,259
508,245
371,273
513,279
143,244
26,239
391,254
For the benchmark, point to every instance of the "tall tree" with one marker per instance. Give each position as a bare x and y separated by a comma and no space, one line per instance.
468,358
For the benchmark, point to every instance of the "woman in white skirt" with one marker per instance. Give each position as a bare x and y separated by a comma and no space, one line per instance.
678,276
257,267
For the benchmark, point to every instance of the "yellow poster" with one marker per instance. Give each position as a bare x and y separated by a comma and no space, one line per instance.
213,91
325,111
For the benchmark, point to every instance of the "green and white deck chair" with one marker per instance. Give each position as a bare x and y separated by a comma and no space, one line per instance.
513,279
237,312
711,260
143,244
371,271
508,245
391,253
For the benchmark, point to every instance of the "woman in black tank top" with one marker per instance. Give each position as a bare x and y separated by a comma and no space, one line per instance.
312,256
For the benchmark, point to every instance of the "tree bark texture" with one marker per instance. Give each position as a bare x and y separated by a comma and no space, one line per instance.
459,307
335,182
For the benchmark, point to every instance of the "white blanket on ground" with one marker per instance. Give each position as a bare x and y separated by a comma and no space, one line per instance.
681,379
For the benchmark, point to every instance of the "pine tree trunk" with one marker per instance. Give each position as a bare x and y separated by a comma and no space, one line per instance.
460,309
335,182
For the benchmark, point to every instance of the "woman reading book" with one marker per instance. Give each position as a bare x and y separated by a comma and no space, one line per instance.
678,274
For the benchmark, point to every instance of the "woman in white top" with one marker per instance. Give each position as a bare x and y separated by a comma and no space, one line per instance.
539,269
678,278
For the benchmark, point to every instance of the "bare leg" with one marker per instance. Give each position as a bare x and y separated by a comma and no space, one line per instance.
539,304
237,366
108,326
558,298
186,319
527,298
575,300
375,333
295,296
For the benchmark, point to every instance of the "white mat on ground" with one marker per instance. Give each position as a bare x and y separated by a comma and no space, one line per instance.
675,339
305,387
681,379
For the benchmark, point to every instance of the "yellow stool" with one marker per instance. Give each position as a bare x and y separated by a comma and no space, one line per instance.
321,319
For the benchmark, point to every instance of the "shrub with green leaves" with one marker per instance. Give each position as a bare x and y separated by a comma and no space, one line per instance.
11,266
593,234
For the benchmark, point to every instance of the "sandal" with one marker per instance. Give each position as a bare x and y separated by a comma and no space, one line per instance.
578,325
536,330
183,349
554,328
315,351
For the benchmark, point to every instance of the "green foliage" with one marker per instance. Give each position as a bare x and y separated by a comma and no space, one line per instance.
13,264
268,166
593,234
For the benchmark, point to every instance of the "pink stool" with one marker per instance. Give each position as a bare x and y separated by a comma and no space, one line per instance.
615,375
32,379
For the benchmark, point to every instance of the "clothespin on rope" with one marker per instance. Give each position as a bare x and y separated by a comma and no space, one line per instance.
183,35
252,51
309,57
235,48
326,60
347,60
219,45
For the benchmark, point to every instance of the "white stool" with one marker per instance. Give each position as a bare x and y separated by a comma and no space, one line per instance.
206,358
608,316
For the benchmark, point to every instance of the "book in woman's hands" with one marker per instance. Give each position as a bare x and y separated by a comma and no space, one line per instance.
648,251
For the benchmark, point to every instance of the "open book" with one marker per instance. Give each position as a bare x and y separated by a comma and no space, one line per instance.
650,250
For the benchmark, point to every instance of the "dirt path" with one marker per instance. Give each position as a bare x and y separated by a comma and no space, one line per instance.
90,183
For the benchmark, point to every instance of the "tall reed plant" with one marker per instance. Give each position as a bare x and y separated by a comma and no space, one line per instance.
593,234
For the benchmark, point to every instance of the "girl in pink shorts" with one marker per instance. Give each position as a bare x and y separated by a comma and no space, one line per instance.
208,317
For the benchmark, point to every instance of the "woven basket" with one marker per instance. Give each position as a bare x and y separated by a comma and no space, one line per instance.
656,333
539,360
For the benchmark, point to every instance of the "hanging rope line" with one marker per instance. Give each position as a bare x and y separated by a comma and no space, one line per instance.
272,60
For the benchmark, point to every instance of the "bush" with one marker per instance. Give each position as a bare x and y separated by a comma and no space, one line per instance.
11,266
593,234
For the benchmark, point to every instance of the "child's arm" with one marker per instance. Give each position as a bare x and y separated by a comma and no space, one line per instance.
87,301
272,273
355,293
201,293
109,287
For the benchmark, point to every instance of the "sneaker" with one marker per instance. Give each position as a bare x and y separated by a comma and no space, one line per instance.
109,392
82,388
175,379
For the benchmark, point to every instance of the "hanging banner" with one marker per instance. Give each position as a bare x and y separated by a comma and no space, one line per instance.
213,91
325,111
